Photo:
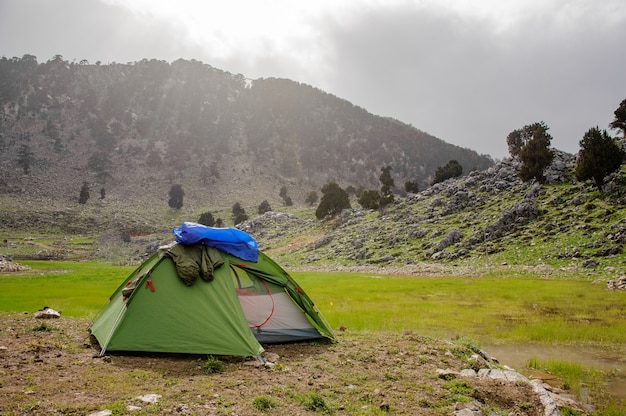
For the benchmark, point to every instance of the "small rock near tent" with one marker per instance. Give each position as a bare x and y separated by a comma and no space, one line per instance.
210,292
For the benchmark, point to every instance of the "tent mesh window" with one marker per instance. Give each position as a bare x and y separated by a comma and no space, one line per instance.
246,285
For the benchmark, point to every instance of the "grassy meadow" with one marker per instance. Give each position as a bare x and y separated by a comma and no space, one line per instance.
483,308
487,309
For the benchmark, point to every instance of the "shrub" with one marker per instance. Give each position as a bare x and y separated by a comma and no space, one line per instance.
206,218
84,194
264,403
316,403
311,198
212,365
176,195
264,207
333,202
452,169
411,187
369,199
44,327
239,213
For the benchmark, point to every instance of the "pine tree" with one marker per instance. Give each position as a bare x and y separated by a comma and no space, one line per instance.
25,158
411,187
84,194
206,218
517,139
452,169
311,198
386,189
264,207
334,200
620,118
239,213
536,155
599,156
286,199
176,195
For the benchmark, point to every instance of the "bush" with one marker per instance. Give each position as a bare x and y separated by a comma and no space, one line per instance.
125,236
206,218
212,365
311,198
239,213
334,200
411,187
264,207
369,199
176,195
264,403
316,403
452,169
84,194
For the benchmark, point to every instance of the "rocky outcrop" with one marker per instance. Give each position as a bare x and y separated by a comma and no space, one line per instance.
551,398
618,284
421,219
7,265
273,224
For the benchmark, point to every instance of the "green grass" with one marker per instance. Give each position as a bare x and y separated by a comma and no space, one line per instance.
212,365
507,309
584,383
512,310
265,403
573,375
76,288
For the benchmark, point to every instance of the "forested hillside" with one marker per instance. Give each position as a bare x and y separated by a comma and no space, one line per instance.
129,131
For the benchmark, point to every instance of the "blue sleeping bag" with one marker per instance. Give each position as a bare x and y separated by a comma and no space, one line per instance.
229,240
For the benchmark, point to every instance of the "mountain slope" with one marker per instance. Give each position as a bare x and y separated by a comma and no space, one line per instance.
134,129
488,219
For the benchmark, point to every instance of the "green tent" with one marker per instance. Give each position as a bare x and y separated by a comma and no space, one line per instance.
243,305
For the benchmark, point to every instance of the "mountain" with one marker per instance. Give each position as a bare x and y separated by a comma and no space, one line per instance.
130,131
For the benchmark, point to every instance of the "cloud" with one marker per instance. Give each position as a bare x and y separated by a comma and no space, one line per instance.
94,31
469,82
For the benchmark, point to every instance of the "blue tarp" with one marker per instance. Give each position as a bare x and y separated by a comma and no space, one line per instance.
229,240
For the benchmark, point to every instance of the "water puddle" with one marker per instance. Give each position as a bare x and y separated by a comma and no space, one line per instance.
517,356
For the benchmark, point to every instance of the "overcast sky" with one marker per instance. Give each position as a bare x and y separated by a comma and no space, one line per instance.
468,72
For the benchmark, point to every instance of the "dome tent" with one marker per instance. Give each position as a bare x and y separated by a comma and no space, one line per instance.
247,300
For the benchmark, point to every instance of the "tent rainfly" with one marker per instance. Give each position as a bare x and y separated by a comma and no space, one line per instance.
210,292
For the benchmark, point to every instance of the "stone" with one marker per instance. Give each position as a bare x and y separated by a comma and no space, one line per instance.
447,374
47,313
149,398
468,373
102,413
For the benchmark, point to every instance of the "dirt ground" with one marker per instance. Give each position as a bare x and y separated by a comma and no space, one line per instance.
49,367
